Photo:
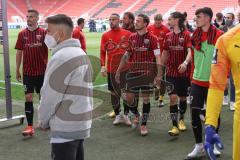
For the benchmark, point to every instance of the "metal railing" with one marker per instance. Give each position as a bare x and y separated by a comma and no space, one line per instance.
5,43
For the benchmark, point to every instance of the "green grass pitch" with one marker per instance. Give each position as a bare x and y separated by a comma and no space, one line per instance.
107,142
93,45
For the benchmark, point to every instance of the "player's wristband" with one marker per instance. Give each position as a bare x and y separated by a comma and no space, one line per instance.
185,62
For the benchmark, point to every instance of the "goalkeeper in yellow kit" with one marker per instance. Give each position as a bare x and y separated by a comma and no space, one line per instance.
226,57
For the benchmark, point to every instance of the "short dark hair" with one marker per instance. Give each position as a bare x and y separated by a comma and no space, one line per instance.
80,21
233,16
219,15
130,15
33,11
115,14
185,15
60,19
205,10
145,18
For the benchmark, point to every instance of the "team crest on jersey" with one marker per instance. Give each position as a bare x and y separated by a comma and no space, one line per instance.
215,55
39,37
181,40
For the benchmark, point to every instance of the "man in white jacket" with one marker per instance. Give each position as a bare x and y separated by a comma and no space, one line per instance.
66,96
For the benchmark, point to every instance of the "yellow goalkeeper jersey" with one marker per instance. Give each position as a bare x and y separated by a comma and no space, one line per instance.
226,57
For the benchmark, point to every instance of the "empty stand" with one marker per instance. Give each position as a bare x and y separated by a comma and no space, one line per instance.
103,8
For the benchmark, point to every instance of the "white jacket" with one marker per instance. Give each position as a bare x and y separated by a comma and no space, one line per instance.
66,96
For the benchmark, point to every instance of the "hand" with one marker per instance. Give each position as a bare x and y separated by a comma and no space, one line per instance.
117,77
182,68
18,76
41,128
103,71
157,81
211,138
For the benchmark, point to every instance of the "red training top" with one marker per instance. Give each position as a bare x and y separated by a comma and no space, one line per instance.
78,34
113,47
160,33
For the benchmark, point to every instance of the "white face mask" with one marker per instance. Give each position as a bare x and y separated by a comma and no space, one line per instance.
50,41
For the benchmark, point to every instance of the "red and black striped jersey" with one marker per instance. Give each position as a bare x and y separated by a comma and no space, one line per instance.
177,47
142,54
35,52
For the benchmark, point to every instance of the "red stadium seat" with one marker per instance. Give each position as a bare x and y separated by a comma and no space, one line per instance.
103,8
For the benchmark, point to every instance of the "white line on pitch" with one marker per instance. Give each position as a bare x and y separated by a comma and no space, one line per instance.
20,84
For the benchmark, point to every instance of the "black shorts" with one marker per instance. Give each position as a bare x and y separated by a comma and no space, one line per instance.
198,96
32,83
180,86
139,82
113,86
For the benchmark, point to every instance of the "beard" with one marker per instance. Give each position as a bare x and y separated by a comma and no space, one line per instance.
29,23
113,26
